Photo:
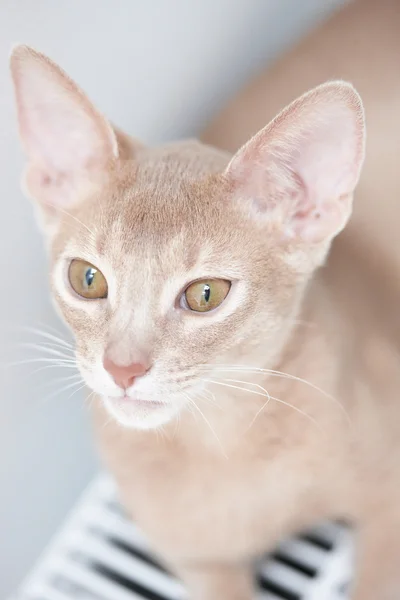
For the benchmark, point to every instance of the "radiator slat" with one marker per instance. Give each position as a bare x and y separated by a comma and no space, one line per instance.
291,580
303,552
93,582
97,550
113,524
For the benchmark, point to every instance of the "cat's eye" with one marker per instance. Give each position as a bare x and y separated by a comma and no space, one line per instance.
207,294
86,280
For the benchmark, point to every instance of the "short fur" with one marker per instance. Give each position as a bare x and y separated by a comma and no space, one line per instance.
270,407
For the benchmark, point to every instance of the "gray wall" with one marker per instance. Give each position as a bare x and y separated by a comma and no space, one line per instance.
159,69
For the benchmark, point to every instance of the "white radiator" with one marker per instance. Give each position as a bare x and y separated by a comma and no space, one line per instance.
100,555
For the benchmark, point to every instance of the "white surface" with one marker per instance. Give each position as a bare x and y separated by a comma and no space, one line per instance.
158,69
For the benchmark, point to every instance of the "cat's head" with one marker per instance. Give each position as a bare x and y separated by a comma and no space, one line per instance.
167,261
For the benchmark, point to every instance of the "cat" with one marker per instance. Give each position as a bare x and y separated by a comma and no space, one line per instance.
216,329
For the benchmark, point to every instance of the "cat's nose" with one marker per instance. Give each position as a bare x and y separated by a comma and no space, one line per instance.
126,375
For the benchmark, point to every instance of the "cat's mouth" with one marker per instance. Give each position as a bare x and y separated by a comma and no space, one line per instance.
130,402
138,412
142,402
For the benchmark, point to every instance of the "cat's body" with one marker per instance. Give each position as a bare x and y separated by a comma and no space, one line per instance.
204,501
277,408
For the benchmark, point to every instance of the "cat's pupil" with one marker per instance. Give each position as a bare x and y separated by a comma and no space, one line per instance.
89,276
206,293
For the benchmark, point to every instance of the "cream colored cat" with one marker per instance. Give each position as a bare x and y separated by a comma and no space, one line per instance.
245,389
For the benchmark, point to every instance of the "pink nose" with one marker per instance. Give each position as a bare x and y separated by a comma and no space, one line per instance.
124,376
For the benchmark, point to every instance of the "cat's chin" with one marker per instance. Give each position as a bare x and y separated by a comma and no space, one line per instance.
139,414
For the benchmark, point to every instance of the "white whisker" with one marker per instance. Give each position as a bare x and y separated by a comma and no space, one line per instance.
77,390
161,431
193,403
59,362
211,400
61,391
265,394
46,347
49,336
107,422
89,400
59,380
178,422
68,214
282,375
52,366
259,413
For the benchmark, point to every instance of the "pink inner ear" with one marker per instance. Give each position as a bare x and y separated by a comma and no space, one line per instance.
303,167
64,136
57,190
45,181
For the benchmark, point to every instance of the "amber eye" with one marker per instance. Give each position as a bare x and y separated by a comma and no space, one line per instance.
202,296
86,280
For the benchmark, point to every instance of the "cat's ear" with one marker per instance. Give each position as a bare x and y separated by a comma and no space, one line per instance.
66,140
300,171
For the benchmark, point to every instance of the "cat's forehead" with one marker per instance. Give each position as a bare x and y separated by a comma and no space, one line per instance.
183,158
163,195
166,203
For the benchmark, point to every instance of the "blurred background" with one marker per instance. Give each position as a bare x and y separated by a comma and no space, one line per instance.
159,70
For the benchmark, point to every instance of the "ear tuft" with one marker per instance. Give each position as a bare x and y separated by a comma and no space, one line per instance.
301,170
